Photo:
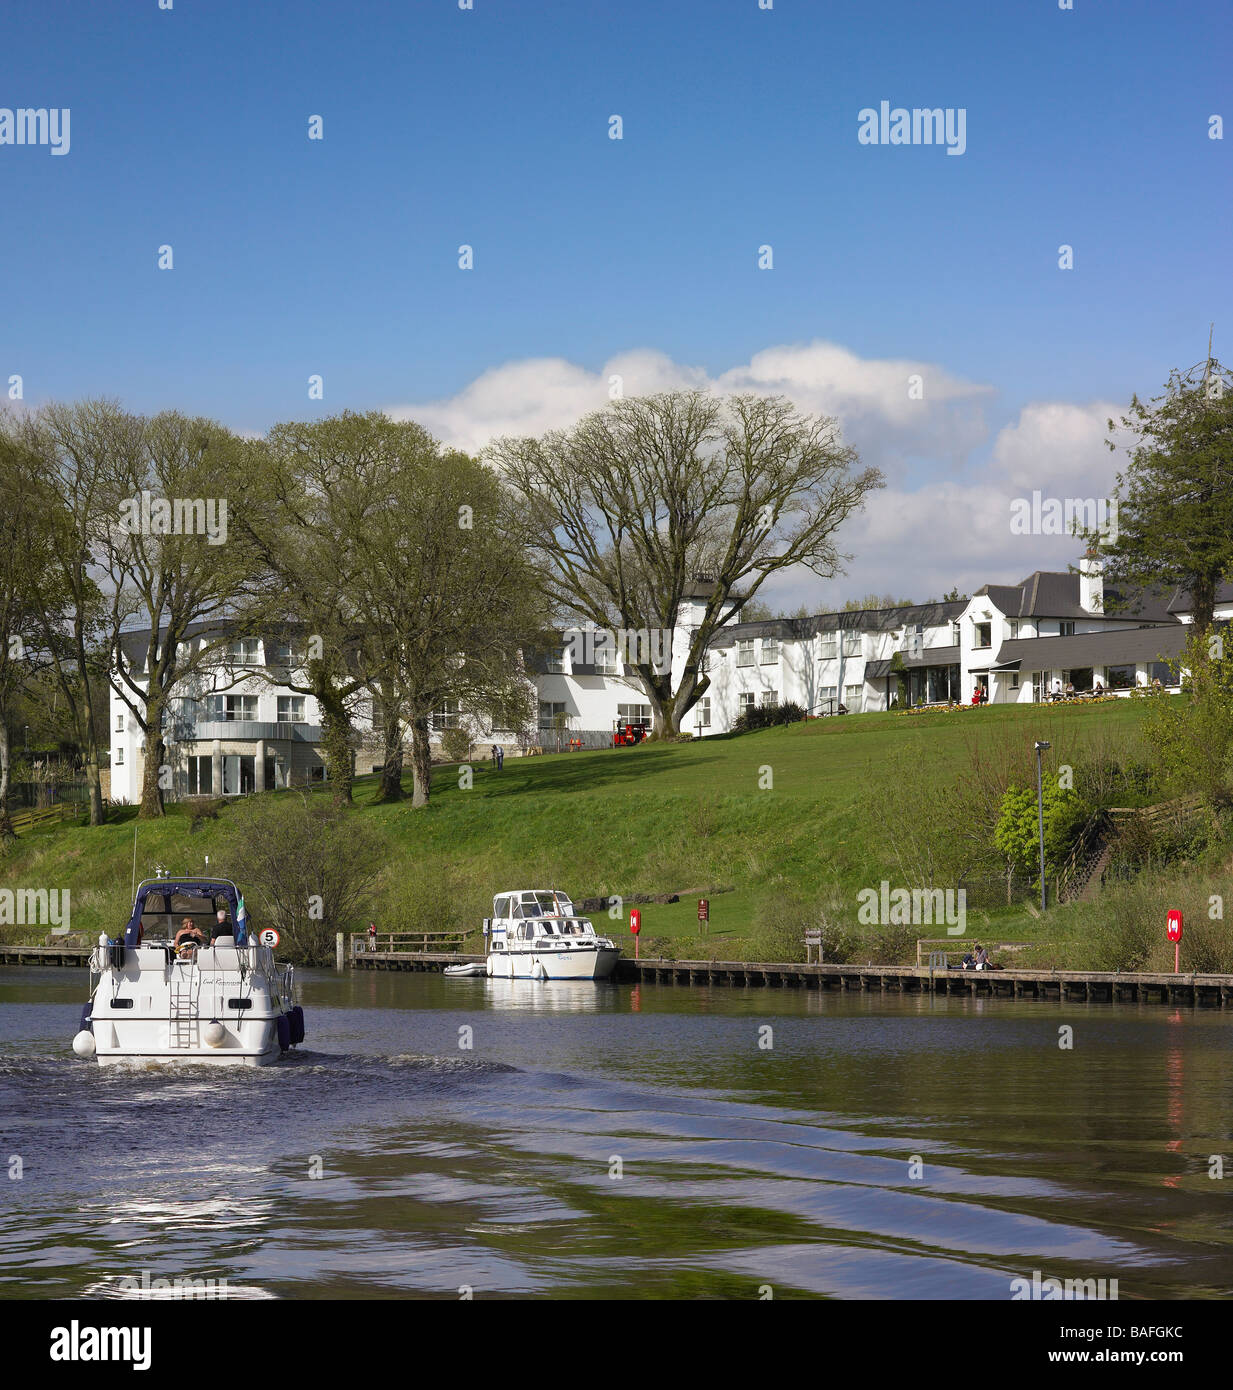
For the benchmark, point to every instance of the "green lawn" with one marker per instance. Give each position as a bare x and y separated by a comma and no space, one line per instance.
649,819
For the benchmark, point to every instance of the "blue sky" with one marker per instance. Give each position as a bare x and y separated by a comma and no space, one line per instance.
490,127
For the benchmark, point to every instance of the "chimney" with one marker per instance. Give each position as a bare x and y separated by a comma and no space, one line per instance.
1091,584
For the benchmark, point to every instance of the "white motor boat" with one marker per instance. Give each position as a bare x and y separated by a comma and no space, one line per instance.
164,990
535,934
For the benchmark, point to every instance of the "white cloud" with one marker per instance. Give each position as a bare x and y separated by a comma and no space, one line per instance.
944,517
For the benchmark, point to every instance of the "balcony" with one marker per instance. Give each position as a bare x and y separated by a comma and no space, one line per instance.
253,731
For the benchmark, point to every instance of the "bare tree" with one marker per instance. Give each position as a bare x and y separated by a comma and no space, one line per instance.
638,500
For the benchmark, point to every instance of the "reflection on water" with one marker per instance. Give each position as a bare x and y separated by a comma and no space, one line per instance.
579,1139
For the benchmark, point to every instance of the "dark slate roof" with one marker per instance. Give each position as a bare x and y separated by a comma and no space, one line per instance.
858,620
1183,603
933,656
1054,594
1112,647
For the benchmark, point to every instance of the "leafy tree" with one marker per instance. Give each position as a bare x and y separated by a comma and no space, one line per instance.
409,563
74,450
168,586
28,577
1017,834
857,605
1175,498
311,867
1191,741
636,502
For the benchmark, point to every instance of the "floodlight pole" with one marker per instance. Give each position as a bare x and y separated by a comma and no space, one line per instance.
1040,813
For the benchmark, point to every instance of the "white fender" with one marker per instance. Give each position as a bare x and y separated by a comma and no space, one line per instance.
83,1043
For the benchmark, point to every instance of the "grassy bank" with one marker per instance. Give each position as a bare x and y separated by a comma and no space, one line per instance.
685,818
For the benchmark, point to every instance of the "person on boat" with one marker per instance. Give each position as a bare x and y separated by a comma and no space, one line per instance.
189,937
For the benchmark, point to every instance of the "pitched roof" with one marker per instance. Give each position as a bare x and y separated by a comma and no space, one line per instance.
1112,647
1055,594
851,620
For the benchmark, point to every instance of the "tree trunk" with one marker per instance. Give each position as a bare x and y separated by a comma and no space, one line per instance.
421,762
94,783
155,753
335,739
7,832
391,769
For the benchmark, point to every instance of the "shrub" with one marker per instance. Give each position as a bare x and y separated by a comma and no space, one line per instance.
456,745
307,867
768,716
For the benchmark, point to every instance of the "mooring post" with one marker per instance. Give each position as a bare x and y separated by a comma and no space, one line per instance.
338,951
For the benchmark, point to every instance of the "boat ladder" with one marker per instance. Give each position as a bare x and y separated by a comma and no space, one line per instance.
185,987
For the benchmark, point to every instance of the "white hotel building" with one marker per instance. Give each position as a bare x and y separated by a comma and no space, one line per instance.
246,730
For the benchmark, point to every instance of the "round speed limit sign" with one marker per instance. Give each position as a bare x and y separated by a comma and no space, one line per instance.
268,937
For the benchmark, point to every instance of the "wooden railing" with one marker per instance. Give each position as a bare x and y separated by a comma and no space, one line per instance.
42,815
406,942
953,946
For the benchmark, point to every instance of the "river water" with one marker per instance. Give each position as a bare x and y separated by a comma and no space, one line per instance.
606,1141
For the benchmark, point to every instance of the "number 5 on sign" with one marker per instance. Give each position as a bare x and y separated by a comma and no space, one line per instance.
269,937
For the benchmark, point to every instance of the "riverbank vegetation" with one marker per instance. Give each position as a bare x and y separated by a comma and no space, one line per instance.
780,829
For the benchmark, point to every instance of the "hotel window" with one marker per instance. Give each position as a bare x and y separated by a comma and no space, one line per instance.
827,695
278,653
982,634
704,712
956,632
607,662
119,723
554,665
770,650
770,698
1014,629
852,697
119,757
446,715
291,709
230,709
745,653
550,712
639,715
744,702
828,646
200,776
1066,628
1014,680
244,651
851,643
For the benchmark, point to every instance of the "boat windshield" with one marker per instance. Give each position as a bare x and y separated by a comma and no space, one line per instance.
543,905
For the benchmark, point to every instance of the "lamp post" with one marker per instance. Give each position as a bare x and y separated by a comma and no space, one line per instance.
1040,813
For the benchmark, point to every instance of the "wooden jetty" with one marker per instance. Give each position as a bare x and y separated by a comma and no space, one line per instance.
45,955
1114,987
1065,986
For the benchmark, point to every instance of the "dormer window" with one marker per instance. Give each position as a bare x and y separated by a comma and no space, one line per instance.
982,634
